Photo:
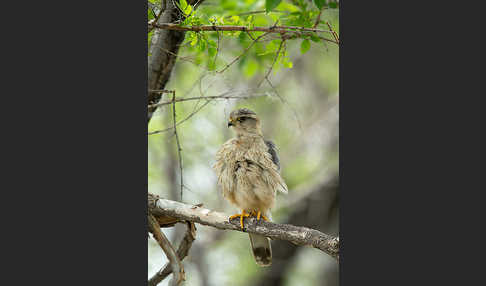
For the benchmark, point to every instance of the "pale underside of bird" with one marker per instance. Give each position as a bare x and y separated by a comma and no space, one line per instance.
248,168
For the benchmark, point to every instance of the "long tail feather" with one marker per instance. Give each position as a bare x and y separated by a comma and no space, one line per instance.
261,248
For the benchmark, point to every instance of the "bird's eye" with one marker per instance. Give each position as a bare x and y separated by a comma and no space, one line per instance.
241,119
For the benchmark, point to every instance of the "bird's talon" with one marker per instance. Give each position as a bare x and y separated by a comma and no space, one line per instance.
260,215
234,216
241,216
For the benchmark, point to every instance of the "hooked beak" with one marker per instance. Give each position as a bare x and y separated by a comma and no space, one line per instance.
230,123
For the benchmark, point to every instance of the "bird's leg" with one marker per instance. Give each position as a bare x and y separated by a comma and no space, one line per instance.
243,214
259,214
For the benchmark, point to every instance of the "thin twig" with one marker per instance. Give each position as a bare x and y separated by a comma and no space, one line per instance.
249,35
179,149
273,63
296,115
222,96
209,99
180,122
182,252
334,34
318,19
164,243
217,50
244,52
301,35
161,91
257,12
187,59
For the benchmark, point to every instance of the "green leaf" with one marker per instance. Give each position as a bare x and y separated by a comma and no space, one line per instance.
289,7
273,46
259,48
212,51
150,15
271,4
320,3
212,48
315,38
250,68
288,64
305,46
235,19
333,5
211,65
188,10
194,39
202,46
212,44
183,4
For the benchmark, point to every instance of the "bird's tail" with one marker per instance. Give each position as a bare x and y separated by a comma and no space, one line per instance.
261,248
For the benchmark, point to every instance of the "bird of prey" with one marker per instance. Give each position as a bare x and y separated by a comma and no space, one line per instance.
248,168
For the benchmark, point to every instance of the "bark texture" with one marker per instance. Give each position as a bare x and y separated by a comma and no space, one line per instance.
295,234
163,51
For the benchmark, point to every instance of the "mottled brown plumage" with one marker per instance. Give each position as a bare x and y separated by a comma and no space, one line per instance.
247,167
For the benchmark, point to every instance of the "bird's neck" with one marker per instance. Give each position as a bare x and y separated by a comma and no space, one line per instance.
249,138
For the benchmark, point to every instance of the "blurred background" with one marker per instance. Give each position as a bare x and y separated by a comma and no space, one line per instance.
300,114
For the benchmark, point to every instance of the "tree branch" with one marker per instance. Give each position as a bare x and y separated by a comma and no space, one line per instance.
163,49
295,234
179,149
273,63
182,252
271,29
169,251
225,95
242,54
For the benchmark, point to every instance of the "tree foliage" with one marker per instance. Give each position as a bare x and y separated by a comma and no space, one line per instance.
204,46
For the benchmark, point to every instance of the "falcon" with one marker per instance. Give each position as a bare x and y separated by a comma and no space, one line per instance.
248,171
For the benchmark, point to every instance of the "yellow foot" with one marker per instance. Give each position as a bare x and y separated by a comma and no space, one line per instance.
241,216
259,214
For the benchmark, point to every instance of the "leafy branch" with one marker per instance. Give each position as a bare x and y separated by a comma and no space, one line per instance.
271,29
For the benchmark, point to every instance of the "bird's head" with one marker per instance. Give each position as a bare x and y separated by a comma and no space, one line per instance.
244,122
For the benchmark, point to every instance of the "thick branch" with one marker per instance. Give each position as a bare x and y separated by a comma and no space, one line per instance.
295,234
163,51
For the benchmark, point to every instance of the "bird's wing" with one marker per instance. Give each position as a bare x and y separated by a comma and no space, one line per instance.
272,149
274,178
